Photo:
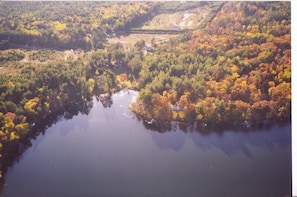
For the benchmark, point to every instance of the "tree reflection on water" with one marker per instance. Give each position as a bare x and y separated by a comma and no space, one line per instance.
229,141
168,135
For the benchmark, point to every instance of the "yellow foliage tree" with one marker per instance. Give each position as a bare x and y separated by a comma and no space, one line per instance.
181,115
174,115
13,136
57,26
22,128
91,85
106,87
31,104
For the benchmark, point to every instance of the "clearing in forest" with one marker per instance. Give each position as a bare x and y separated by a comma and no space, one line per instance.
188,19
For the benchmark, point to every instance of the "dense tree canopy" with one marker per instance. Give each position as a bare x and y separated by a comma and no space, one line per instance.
63,25
236,68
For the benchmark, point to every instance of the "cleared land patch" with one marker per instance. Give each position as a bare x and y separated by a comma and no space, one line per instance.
189,19
131,39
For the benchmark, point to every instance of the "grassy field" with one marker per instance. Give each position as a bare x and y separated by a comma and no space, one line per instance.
129,40
189,19
38,57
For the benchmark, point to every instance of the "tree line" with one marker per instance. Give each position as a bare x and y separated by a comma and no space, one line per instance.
237,68
66,25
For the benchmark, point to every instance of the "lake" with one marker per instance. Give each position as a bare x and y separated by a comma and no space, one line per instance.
109,152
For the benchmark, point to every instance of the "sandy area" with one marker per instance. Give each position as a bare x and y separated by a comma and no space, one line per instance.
131,39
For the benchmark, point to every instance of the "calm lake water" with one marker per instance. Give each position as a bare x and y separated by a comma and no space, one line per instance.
109,152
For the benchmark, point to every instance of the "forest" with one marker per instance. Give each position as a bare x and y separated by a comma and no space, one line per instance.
235,69
65,25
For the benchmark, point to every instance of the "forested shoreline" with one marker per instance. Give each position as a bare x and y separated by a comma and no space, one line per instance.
235,68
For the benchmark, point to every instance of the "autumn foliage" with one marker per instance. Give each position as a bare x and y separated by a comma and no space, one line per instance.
236,69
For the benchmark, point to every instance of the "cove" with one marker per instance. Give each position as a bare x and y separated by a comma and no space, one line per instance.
110,152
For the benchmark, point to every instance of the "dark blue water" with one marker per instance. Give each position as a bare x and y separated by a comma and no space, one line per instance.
110,153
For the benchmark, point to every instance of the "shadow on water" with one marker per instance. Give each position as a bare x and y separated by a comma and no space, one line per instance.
230,139
105,99
227,138
13,152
